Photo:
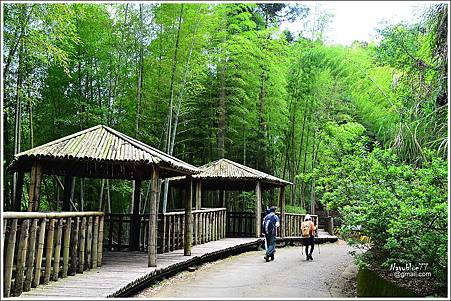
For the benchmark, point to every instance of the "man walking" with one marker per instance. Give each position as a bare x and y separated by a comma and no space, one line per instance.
270,225
308,233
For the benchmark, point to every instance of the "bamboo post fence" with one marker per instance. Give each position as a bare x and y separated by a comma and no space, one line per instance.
35,243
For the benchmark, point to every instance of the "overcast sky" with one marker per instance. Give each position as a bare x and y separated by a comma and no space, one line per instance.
357,20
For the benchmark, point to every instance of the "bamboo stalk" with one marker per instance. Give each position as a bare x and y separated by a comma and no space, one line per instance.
95,240
9,260
57,256
66,245
74,247
174,229
169,245
21,257
100,243
188,219
88,262
40,252
30,256
163,240
81,244
49,252
195,217
153,216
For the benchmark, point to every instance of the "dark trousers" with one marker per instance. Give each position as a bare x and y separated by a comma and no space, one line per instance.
270,245
309,241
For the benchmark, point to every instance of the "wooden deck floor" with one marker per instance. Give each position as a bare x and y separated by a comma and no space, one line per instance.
121,269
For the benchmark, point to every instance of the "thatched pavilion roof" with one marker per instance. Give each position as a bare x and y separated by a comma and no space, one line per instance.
100,152
229,175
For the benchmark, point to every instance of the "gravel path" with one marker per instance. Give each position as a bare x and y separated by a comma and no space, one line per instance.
249,276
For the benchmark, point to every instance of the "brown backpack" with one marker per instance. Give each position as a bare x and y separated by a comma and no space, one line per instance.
305,228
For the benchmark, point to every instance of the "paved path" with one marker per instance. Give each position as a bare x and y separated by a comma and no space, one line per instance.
248,276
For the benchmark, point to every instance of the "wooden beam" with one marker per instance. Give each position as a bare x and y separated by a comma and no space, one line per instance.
282,210
258,202
35,185
19,190
198,194
67,192
188,235
153,215
135,222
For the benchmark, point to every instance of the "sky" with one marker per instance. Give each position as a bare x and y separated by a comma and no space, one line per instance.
357,20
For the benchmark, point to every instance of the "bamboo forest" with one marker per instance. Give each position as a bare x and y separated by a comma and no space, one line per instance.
356,132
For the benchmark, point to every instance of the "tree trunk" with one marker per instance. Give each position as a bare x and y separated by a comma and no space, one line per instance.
305,163
18,119
18,41
222,113
140,73
171,100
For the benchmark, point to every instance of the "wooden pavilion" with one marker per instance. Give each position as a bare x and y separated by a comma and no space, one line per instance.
224,174
102,152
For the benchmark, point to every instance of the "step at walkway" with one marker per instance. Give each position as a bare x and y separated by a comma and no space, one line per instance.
120,270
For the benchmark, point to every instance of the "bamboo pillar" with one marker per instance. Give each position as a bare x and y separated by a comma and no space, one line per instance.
35,185
153,215
95,241
30,256
9,260
282,210
258,201
195,217
37,271
66,245
19,190
74,246
68,183
57,252
49,251
21,257
100,243
198,194
135,223
81,244
88,262
188,240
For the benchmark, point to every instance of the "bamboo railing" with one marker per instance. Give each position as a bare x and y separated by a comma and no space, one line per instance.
242,224
208,225
42,247
293,223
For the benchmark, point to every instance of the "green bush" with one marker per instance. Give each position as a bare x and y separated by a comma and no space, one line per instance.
403,209
294,209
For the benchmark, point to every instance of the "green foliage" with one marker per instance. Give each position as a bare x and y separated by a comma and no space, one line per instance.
402,209
294,209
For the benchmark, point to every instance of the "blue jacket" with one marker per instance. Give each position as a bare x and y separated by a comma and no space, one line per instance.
270,220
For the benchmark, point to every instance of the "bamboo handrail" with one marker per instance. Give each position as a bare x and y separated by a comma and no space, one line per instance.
20,215
35,242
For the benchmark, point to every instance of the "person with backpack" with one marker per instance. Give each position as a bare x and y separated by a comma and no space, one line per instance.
308,236
270,224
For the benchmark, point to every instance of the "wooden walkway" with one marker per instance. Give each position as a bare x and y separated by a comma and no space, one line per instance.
122,271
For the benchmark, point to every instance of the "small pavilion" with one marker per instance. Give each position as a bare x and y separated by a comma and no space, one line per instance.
227,175
102,152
